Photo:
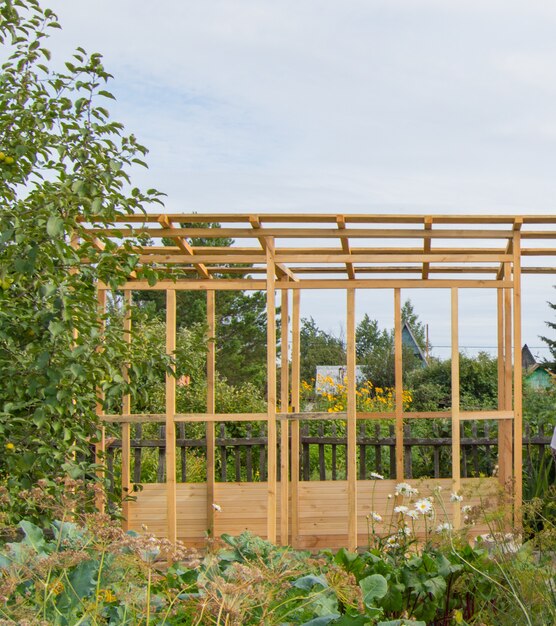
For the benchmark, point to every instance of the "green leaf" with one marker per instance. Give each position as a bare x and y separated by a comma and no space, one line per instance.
374,587
82,582
33,536
436,586
55,226
321,621
402,622
308,582
352,620
56,328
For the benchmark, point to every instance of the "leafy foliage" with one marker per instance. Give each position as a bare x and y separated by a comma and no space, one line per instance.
63,163
240,320
91,572
318,348
551,343
478,384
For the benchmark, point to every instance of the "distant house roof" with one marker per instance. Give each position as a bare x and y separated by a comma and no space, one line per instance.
408,339
539,377
527,358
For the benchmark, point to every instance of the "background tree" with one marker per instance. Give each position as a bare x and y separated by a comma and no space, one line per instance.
551,343
432,386
240,319
63,163
318,348
375,348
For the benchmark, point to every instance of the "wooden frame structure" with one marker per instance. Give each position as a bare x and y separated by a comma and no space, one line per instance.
292,253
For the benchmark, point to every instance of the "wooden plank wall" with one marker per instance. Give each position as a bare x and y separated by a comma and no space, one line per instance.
322,508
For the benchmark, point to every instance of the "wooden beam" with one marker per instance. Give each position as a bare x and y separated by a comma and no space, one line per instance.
284,426
316,256
183,245
260,285
221,417
170,415
398,384
353,218
211,408
456,448
427,248
145,418
100,446
271,391
518,381
296,407
126,428
505,429
351,423
341,220
320,233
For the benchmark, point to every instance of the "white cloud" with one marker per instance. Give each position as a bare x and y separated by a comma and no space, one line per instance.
320,105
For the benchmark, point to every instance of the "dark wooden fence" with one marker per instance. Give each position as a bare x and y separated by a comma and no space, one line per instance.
243,457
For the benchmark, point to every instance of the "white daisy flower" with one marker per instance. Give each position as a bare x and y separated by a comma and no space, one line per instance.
401,509
466,508
405,489
456,498
423,506
375,516
413,514
445,527
377,476
406,530
392,542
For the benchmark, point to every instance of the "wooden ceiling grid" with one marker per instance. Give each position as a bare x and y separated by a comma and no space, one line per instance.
303,251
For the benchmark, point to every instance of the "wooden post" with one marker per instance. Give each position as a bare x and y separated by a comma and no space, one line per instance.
351,422
456,450
284,424
296,408
170,416
211,408
518,427
271,389
100,446
505,427
126,427
398,378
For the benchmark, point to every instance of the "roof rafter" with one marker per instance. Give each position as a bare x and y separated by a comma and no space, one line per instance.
341,220
183,245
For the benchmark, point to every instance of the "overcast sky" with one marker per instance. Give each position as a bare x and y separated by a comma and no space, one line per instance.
355,106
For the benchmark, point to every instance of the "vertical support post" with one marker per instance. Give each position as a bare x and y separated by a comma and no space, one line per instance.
505,427
398,378
284,423
271,389
126,426
518,381
456,450
170,418
351,422
100,446
211,407
296,366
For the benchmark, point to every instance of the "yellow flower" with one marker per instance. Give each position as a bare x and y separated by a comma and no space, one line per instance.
56,588
106,595
10,446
